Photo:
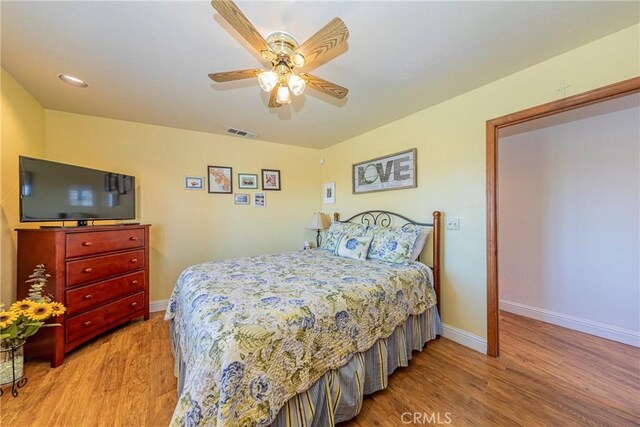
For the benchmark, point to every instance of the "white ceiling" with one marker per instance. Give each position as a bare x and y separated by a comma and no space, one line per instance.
148,61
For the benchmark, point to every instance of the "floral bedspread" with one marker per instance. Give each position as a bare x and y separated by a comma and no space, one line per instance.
256,331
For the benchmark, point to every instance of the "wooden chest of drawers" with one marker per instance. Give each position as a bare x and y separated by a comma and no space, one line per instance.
101,274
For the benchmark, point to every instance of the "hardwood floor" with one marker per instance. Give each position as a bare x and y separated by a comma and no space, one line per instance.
546,375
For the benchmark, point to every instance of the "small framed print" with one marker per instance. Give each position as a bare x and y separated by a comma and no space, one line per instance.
193,183
329,193
260,200
241,199
270,179
220,180
247,180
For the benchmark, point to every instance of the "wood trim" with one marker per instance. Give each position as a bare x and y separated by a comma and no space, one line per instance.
437,230
584,99
492,241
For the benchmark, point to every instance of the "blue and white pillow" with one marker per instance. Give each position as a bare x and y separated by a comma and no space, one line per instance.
336,229
392,244
355,247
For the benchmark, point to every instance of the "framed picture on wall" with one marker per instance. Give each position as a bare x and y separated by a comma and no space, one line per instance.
260,200
270,179
392,172
220,179
247,180
241,199
193,183
329,193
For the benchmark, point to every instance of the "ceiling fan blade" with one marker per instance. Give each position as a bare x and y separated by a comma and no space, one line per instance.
229,76
272,99
329,36
324,86
234,16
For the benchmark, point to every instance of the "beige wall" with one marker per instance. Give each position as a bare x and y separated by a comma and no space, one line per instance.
190,226
23,132
450,138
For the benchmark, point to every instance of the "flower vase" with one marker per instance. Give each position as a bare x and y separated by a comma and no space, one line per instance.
11,365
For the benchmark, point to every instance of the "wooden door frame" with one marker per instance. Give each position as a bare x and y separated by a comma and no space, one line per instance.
604,93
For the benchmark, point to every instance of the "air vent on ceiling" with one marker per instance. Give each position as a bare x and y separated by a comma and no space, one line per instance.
241,133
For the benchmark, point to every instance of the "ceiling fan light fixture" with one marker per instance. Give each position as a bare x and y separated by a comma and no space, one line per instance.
268,80
296,84
284,96
284,53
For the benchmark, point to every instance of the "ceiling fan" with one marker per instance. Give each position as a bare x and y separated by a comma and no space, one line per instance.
284,53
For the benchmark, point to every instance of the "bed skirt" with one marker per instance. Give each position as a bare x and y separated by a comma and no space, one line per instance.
337,396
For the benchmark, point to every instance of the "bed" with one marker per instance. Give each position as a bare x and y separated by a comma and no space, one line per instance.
297,339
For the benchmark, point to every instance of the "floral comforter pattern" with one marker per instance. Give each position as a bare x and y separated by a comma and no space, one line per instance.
256,331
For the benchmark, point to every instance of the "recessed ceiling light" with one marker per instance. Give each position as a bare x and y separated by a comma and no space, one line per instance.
74,81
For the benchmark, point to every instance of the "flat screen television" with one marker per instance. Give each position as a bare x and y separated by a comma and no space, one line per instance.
52,191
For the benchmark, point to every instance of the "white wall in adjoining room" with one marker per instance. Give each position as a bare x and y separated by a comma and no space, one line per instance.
569,219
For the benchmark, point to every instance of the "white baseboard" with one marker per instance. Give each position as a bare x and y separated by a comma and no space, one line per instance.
603,330
158,305
464,338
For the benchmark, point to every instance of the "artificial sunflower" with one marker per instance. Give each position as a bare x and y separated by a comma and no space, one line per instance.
40,311
22,307
7,318
56,308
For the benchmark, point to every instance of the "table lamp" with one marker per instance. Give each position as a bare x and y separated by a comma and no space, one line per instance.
319,221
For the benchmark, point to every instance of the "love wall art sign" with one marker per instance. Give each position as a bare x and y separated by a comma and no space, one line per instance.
392,172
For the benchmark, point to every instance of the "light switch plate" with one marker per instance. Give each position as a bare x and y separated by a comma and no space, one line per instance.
453,223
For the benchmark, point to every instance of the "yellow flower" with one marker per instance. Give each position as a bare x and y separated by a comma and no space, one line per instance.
40,312
57,308
22,307
7,318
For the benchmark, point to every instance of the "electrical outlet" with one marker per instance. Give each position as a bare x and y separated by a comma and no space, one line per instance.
453,223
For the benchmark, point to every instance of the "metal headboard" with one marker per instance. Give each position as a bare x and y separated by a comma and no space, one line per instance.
386,219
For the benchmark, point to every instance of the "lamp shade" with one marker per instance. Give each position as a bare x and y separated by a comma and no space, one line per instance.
319,221
296,84
267,80
283,95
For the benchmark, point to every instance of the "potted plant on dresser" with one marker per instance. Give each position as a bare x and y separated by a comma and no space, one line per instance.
21,321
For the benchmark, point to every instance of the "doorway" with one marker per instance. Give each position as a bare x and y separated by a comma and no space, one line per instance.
493,127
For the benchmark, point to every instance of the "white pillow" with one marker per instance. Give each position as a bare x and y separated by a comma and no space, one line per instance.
420,242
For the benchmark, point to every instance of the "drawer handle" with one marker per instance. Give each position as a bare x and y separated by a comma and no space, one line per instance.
87,297
133,238
88,323
133,261
134,282
87,270
86,243
134,304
